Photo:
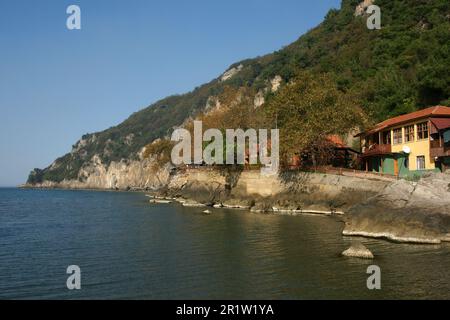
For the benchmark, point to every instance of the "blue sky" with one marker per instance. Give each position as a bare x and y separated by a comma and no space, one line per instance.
57,84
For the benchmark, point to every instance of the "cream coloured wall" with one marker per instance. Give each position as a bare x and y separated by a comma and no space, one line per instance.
418,147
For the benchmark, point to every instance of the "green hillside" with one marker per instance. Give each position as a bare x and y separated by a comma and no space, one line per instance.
398,69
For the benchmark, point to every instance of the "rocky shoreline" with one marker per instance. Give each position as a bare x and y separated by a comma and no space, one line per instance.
399,210
396,210
415,212
158,199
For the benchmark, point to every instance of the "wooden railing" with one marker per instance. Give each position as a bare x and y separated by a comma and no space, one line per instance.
434,144
377,149
439,152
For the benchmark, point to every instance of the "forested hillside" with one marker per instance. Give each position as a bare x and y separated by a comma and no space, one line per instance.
382,73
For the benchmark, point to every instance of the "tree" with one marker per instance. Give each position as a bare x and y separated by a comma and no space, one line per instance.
160,151
308,110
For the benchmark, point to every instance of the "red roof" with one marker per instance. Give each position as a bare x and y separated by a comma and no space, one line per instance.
437,111
336,140
441,123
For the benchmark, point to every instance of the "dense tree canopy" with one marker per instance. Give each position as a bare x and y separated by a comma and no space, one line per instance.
309,109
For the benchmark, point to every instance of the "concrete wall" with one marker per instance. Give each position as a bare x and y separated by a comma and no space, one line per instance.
253,183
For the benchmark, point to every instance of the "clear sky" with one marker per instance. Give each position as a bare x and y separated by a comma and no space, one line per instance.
57,84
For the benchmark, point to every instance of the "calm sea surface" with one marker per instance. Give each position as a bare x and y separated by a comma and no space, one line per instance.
129,249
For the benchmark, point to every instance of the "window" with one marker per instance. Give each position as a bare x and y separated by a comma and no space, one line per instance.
409,133
387,137
407,162
398,136
421,163
422,131
446,137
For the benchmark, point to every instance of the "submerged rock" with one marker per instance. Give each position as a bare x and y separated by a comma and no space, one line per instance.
160,201
193,204
244,204
358,250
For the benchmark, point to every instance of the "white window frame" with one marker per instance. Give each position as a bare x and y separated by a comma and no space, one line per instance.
418,162
423,131
398,139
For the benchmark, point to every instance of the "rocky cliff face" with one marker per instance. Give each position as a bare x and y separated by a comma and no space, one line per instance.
123,175
361,8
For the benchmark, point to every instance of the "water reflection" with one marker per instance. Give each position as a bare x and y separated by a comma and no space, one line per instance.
130,249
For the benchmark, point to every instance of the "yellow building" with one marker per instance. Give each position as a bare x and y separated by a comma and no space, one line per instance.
409,144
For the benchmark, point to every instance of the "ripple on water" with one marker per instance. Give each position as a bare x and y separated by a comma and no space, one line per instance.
128,249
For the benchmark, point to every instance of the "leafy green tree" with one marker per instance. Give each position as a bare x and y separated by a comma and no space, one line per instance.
308,110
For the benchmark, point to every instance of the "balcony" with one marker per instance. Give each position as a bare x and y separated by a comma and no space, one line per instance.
377,149
438,150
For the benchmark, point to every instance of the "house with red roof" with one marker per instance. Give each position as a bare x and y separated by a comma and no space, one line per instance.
338,155
408,144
